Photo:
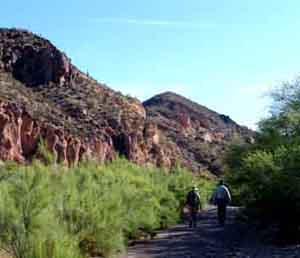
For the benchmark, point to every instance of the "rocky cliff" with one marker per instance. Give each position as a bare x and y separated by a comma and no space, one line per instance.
200,134
44,97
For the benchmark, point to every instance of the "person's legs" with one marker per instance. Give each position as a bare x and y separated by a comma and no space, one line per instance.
221,212
194,218
190,217
225,213
222,219
191,221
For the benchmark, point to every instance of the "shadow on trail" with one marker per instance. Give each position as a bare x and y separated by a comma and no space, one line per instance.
234,240
208,240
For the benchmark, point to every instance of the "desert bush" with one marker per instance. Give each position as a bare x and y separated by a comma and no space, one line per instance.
51,210
264,176
28,227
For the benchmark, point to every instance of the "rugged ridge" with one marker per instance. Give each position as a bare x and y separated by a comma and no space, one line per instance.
44,97
200,134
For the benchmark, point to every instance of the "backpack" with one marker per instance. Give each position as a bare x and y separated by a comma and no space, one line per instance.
193,199
222,195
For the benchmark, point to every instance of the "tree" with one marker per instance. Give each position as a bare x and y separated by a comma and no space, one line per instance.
265,176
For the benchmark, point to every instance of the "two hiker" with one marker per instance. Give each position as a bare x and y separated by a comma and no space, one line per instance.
221,198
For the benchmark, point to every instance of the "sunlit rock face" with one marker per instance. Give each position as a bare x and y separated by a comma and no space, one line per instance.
45,98
201,135
20,136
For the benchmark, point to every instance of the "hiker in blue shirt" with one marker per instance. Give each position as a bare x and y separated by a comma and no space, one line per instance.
221,198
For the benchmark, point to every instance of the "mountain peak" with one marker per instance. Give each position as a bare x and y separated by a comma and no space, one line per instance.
168,94
201,134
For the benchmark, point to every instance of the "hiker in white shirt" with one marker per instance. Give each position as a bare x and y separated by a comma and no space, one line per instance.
193,202
221,198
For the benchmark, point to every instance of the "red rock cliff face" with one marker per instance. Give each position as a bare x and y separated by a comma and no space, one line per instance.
44,97
20,136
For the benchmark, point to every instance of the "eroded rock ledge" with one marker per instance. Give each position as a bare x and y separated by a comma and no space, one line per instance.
20,136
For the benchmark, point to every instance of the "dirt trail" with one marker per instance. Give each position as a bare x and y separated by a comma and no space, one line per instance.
235,240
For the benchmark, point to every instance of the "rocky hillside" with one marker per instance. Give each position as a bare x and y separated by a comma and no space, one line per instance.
200,134
44,97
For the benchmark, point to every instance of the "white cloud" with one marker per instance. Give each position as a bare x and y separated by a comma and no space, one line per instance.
154,22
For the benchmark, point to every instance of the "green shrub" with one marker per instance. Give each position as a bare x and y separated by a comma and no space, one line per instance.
55,211
264,176
268,185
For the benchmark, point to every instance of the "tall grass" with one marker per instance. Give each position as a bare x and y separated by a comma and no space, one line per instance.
58,212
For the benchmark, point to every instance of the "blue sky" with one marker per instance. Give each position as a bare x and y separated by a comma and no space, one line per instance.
222,54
